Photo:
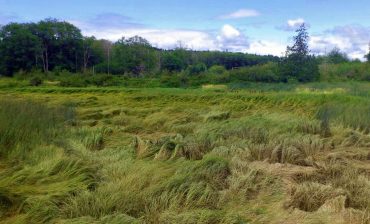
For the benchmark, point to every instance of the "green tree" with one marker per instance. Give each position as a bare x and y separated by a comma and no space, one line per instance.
93,52
61,44
176,60
335,56
134,55
19,48
298,63
197,69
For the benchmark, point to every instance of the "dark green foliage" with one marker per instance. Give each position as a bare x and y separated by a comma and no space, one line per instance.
176,60
19,48
217,70
260,73
47,44
61,44
134,56
336,57
197,69
73,81
298,63
93,52
83,80
36,81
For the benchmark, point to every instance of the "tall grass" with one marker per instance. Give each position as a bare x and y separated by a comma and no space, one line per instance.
186,156
35,173
23,124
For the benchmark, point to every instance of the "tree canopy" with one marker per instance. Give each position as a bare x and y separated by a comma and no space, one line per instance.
58,45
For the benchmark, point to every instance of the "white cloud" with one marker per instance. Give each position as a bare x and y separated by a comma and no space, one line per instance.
264,47
241,13
227,38
351,39
229,31
293,24
161,38
231,39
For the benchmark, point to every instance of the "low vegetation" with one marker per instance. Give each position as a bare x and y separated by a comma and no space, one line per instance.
261,154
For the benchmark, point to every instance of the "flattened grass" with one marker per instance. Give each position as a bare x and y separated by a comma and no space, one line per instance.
188,156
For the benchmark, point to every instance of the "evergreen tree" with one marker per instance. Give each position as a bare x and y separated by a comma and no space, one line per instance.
298,63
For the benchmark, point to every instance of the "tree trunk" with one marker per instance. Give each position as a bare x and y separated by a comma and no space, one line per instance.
47,61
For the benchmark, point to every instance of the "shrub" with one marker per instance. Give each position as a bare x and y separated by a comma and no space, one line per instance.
259,73
196,69
217,70
303,71
174,81
102,80
36,81
73,81
345,71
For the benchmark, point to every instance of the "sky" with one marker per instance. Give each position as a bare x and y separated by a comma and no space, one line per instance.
250,26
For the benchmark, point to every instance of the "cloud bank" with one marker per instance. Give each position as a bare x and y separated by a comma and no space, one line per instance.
351,39
227,38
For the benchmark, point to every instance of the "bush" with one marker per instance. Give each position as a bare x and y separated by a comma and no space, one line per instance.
196,69
259,73
217,70
73,81
36,81
175,81
102,80
303,70
345,71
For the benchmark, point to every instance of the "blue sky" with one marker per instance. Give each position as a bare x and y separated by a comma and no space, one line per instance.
254,26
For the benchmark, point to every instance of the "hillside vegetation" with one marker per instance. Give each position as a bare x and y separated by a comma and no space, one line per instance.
262,154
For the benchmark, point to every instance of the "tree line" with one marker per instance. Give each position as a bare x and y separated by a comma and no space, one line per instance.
53,45
58,45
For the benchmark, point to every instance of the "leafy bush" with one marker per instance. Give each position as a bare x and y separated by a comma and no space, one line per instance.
259,73
102,80
36,81
175,81
73,81
196,69
305,71
217,70
345,71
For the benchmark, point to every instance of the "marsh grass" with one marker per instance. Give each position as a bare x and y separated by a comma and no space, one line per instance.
24,124
35,173
186,156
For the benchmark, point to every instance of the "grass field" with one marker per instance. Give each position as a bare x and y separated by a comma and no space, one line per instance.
253,154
